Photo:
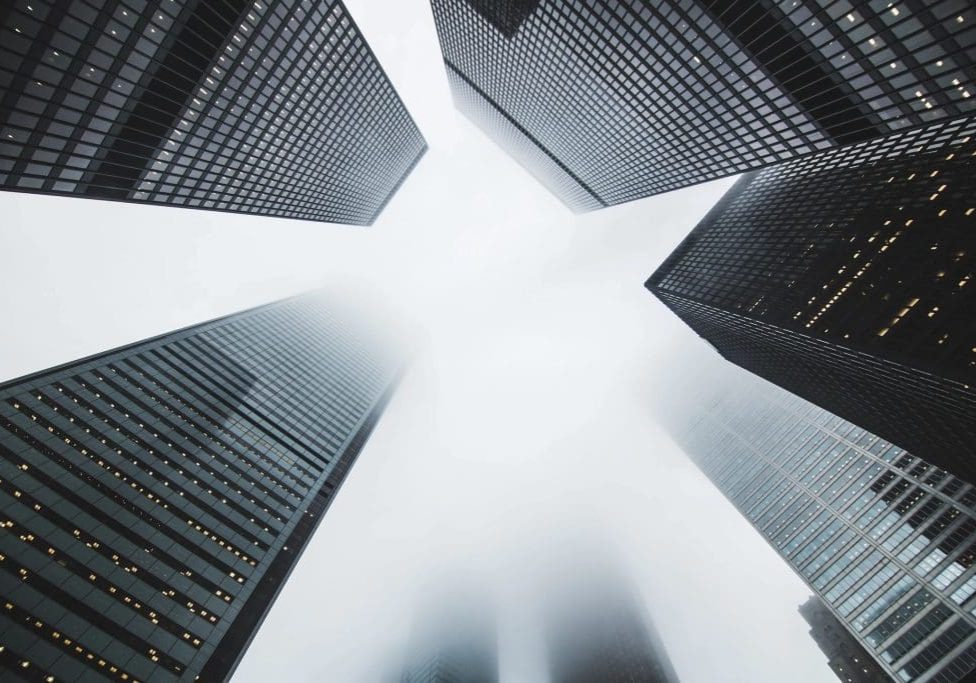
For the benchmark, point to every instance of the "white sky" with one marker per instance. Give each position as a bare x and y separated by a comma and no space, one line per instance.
527,409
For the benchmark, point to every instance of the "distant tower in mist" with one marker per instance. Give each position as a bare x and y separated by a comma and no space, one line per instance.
596,630
455,641
846,657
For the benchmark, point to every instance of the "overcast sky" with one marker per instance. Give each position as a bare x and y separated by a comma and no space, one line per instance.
527,413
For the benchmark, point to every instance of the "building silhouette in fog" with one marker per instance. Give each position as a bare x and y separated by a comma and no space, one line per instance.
845,656
596,629
272,108
886,540
849,278
455,640
156,497
606,102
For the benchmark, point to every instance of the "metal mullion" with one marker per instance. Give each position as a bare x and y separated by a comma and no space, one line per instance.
730,157
111,73
270,43
874,595
213,474
350,374
242,455
214,392
231,376
174,488
906,597
133,538
218,371
62,530
906,56
923,10
99,436
168,49
851,526
30,62
34,56
233,465
817,58
98,488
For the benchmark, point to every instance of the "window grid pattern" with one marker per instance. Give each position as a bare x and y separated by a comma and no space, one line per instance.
634,98
887,540
155,497
268,108
847,277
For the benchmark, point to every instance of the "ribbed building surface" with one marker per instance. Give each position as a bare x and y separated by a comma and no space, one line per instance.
849,278
154,498
271,108
607,102
885,539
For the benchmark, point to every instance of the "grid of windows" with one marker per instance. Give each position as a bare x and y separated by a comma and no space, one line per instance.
887,540
637,97
847,277
154,498
246,106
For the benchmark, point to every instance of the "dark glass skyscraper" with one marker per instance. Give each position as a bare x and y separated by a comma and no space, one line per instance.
272,108
849,278
845,656
607,102
885,539
155,498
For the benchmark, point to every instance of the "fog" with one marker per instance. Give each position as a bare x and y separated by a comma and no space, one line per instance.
526,413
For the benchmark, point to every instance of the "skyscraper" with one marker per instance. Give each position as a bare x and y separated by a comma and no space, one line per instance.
155,498
847,277
845,656
606,102
885,539
278,109
454,641
596,629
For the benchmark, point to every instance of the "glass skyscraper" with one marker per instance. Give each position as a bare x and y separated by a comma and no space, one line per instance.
271,108
848,277
154,498
606,102
885,539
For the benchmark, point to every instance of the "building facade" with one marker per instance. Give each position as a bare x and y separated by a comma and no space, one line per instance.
847,277
886,540
155,498
277,109
606,102
849,661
